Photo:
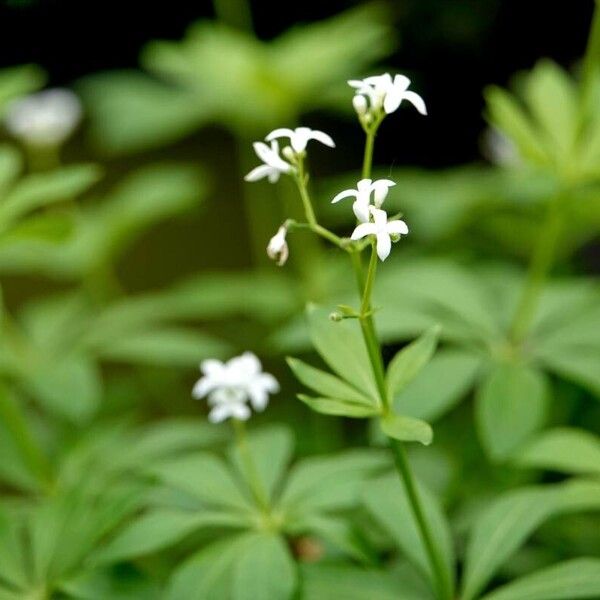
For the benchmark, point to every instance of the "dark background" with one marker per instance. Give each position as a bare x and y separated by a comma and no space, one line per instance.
456,46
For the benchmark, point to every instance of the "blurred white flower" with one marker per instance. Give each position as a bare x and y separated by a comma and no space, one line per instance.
44,119
499,149
278,249
273,165
364,188
384,231
384,92
231,385
300,137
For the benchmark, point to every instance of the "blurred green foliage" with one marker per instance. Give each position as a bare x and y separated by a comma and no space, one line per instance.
110,489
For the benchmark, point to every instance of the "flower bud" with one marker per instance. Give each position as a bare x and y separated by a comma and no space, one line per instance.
336,317
288,153
278,249
44,119
360,105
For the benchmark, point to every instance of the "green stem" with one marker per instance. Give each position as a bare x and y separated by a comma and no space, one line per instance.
539,267
368,155
249,467
443,582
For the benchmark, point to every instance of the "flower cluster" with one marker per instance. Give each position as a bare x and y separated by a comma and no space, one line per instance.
231,385
382,94
274,164
47,118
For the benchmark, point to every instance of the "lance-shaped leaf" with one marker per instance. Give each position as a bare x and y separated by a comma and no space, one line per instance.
406,429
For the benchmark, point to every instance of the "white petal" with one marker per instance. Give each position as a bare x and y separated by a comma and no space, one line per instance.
203,386
361,209
356,83
401,82
344,194
363,230
380,218
416,101
269,382
397,227
249,363
219,413
262,151
384,245
322,137
392,100
300,138
281,132
240,412
262,171
259,398
380,190
211,366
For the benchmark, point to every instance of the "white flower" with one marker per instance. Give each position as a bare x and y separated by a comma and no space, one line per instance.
364,188
44,119
300,137
230,385
278,249
273,165
382,229
387,93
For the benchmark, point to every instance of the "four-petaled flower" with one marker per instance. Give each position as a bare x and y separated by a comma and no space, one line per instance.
386,92
300,137
382,229
364,188
231,385
273,165
44,119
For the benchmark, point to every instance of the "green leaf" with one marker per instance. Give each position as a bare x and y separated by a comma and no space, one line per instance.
169,346
157,530
342,348
208,573
386,498
406,429
511,405
321,581
505,113
330,483
567,450
407,363
17,81
505,525
205,477
339,407
10,166
568,580
70,388
265,569
442,383
271,449
326,384
552,99
41,189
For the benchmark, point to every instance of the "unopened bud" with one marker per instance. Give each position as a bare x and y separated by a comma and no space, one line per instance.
288,153
360,105
278,249
336,317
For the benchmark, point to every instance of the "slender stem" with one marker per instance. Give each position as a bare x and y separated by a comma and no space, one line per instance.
443,582
365,285
539,267
249,467
368,155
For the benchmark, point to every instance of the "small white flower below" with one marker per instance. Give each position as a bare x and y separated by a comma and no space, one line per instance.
273,165
384,231
47,118
278,249
231,385
362,194
385,92
300,137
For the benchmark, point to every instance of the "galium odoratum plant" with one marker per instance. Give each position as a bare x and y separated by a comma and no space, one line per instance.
361,386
